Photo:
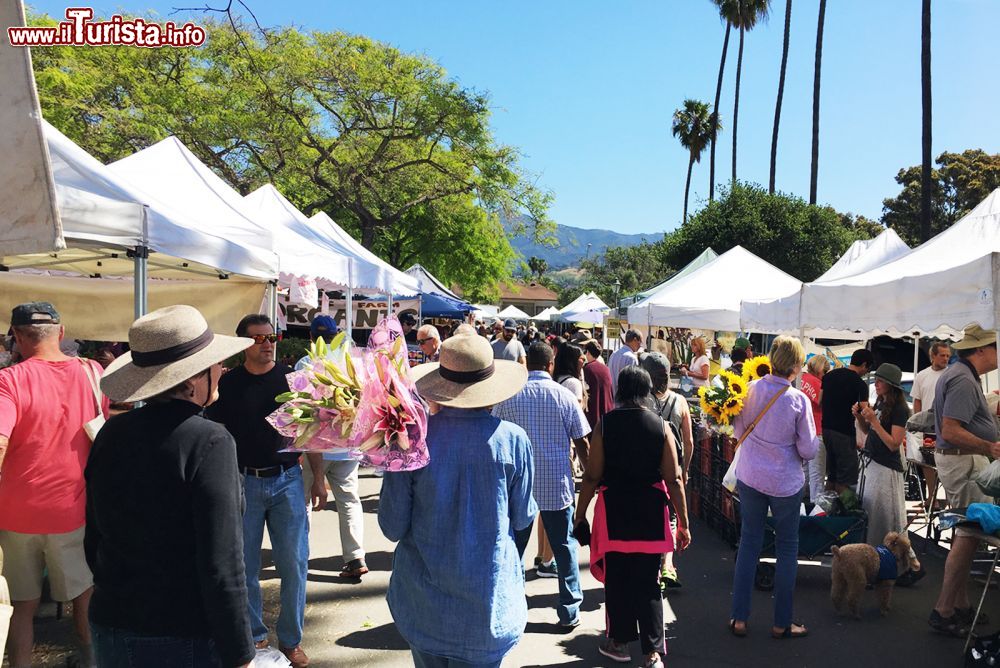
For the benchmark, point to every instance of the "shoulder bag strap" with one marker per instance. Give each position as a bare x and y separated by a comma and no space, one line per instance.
92,377
756,420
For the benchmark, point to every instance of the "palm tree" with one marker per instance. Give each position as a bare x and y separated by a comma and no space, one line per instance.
781,94
727,10
925,86
695,127
748,14
815,143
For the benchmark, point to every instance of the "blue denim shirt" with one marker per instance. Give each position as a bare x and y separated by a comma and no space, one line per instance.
457,588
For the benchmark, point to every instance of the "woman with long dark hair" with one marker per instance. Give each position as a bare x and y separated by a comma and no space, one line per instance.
884,494
568,370
634,469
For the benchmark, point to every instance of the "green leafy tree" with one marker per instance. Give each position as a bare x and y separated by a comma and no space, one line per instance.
379,139
636,268
537,266
961,181
801,239
694,128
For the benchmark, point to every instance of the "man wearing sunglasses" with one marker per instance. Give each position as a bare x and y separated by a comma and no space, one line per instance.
429,341
272,484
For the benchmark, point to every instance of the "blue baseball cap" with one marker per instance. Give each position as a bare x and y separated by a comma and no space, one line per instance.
323,325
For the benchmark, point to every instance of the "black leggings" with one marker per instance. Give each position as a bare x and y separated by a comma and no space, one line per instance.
632,595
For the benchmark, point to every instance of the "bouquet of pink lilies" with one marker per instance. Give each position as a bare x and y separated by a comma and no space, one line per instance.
362,403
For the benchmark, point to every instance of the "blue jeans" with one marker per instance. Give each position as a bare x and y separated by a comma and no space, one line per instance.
117,648
280,503
425,660
753,511
559,528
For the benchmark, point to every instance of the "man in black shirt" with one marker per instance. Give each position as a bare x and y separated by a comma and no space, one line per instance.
272,484
842,389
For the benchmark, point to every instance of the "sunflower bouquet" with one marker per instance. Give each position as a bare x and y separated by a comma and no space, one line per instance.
362,403
722,400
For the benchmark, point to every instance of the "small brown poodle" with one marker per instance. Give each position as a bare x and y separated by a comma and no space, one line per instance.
858,565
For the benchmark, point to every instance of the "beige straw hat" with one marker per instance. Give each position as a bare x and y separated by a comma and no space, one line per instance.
467,375
168,346
975,336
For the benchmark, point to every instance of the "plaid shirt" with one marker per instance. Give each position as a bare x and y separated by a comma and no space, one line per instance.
552,417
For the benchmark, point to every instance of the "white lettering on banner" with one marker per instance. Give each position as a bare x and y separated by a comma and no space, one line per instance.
366,314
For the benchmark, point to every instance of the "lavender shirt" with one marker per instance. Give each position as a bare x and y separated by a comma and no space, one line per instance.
772,455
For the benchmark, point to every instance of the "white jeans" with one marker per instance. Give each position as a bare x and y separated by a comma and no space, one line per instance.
816,472
343,479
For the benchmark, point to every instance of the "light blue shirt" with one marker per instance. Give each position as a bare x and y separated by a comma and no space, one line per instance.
552,417
457,586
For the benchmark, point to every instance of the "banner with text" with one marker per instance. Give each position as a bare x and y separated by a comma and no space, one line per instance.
366,314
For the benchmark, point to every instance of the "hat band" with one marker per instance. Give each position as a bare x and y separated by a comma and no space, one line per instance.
466,377
173,353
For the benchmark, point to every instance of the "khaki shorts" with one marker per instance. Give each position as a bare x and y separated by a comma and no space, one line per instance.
957,473
27,556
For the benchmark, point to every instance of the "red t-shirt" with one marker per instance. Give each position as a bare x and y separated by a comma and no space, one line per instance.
43,407
811,386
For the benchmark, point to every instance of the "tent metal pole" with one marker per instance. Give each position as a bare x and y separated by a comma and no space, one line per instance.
140,255
272,309
388,307
349,304
916,352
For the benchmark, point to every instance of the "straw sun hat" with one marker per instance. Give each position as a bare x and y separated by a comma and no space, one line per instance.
168,346
467,375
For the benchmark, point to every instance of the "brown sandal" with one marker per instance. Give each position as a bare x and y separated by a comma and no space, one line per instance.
790,633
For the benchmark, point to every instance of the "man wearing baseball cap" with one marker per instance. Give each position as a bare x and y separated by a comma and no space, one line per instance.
966,436
507,347
45,401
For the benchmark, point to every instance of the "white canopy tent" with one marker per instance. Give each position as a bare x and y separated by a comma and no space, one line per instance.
546,314
169,170
782,315
709,297
937,289
703,258
513,313
374,269
429,283
588,301
113,228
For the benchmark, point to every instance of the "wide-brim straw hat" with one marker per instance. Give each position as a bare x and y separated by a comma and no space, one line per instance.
975,337
467,376
168,346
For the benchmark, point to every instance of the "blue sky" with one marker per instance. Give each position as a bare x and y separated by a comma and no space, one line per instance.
586,89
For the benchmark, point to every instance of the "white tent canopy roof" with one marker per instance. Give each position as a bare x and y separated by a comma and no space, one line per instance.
588,301
938,288
782,315
373,269
429,282
104,213
514,313
703,258
709,297
546,314
169,169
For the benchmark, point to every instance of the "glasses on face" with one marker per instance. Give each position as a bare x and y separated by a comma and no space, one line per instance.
421,342
261,338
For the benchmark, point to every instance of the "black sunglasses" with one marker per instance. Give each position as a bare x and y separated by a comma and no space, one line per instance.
421,342
261,338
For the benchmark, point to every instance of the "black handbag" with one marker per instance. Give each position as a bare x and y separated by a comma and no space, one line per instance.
582,532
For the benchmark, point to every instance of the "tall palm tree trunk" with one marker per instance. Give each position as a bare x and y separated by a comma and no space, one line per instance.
715,114
816,78
925,85
736,102
781,95
687,188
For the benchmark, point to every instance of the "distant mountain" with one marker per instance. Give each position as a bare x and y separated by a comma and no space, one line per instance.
574,242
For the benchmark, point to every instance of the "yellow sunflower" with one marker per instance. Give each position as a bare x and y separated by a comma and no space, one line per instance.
756,367
732,407
735,383
720,416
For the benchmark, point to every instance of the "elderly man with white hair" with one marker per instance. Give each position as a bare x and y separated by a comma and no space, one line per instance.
429,340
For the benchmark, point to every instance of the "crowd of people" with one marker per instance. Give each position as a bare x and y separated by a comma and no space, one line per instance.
152,522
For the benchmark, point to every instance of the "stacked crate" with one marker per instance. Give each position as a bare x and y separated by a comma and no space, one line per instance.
708,500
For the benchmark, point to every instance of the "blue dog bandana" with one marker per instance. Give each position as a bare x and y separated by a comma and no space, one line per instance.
886,564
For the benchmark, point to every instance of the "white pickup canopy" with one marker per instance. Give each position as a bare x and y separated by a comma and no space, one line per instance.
709,297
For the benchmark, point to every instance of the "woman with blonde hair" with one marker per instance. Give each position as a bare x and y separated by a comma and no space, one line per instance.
697,371
812,386
776,425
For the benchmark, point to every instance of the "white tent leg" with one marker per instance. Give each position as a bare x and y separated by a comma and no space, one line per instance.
349,304
140,303
388,306
916,352
272,309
